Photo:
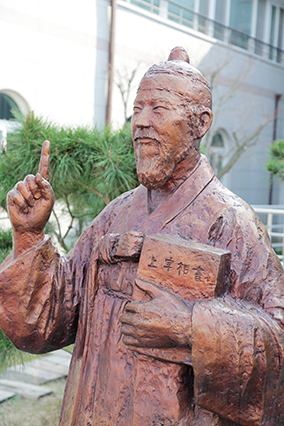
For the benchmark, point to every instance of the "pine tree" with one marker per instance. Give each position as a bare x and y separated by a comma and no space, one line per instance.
89,168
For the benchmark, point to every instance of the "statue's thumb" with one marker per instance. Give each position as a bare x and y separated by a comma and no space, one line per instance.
149,288
44,160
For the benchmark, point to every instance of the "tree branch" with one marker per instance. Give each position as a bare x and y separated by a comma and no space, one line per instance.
72,218
105,198
58,235
241,147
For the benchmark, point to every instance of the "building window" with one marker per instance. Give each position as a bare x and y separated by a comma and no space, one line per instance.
10,102
150,5
241,15
280,37
240,22
7,107
217,151
260,25
203,17
276,36
181,11
220,19
272,33
3,138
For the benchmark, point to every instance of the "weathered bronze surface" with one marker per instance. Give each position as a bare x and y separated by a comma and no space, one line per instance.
173,295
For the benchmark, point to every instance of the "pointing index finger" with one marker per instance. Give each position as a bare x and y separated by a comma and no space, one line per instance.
44,160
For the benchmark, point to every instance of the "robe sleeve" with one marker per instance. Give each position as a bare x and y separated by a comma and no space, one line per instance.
238,340
41,291
237,359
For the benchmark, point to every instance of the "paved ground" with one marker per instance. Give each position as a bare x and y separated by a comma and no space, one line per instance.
31,394
25,380
44,411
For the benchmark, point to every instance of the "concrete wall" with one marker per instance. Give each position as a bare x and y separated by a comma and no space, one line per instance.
48,56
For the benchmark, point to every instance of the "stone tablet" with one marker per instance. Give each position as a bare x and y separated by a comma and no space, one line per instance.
191,270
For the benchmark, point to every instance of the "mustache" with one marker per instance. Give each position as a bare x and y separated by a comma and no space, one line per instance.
146,134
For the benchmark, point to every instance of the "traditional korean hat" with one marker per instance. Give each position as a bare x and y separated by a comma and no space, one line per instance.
179,54
178,64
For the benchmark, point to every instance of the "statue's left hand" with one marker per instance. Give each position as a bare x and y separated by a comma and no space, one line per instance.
114,248
162,322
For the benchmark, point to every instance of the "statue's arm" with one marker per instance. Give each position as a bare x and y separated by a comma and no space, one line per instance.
40,291
238,340
237,357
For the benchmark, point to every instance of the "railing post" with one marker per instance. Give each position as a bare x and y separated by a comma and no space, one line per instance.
276,236
195,15
163,9
211,16
269,224
251,45
227,35
210,27
266,51
283,242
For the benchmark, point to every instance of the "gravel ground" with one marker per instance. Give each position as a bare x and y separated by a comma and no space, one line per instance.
45,411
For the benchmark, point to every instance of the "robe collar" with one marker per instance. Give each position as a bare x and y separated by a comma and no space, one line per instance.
186,193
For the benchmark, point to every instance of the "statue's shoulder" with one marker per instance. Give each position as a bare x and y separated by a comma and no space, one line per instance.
238,216
230,201
219,198
123,199
114,207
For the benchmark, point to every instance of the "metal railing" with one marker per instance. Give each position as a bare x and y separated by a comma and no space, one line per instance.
273,219
150,5
202,24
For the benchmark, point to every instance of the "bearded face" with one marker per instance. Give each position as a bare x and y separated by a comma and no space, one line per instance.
155,162
160,130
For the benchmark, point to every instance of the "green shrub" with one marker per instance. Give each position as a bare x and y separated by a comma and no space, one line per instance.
6,243
275,165
88,168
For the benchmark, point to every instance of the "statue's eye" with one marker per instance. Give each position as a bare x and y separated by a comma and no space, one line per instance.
137,108
159,108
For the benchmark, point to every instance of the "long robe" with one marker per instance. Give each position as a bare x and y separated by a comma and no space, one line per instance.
48,301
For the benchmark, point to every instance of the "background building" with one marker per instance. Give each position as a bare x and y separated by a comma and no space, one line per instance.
55,58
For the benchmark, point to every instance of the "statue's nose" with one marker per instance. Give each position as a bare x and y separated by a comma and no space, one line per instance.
143,117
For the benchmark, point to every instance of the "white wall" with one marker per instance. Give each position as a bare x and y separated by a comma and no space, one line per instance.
48,56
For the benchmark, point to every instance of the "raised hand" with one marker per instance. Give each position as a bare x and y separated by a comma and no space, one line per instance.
30,204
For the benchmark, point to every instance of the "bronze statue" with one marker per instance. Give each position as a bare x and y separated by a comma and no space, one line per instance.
173,295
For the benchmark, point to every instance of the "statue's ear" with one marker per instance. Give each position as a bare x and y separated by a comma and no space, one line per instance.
204,122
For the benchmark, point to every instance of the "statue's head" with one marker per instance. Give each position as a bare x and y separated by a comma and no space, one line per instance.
172,112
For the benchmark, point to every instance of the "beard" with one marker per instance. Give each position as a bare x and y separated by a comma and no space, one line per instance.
155,170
